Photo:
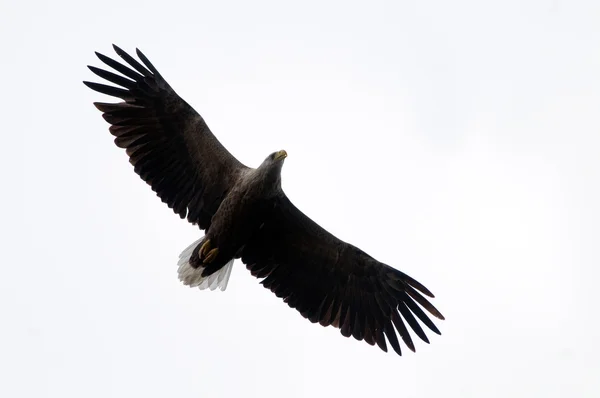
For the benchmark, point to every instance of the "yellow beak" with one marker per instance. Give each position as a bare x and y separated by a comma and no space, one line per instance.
281,155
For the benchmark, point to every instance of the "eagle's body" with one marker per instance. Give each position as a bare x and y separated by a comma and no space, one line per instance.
242,213
246,214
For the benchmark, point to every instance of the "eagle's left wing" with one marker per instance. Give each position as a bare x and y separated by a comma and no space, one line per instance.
334,283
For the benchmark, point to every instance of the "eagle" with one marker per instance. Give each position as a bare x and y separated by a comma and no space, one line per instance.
245,215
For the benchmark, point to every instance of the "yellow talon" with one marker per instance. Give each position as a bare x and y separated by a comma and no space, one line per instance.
204,248
211,255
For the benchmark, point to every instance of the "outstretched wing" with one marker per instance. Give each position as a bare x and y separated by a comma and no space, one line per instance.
168,142
334,283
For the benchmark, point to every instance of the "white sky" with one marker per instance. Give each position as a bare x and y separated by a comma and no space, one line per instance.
459,142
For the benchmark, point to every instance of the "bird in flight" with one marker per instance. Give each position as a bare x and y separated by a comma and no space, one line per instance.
246,215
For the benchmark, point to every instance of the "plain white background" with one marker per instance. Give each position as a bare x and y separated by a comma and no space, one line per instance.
457,141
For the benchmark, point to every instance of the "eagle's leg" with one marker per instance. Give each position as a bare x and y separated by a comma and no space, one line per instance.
205,248
212,254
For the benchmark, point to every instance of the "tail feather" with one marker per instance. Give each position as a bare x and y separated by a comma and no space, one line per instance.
192,277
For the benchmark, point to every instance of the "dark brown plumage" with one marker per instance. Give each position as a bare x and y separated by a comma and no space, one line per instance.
246,215
168,143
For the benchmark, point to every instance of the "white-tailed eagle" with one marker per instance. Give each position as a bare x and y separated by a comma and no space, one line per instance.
245,214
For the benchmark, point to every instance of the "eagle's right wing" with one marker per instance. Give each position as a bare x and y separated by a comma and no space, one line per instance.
168,142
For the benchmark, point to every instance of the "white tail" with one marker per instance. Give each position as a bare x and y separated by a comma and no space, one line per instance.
193,276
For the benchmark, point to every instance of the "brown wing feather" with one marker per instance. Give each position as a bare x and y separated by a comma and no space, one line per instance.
168,142
334,283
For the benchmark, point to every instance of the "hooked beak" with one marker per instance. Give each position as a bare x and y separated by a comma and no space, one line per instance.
281,155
